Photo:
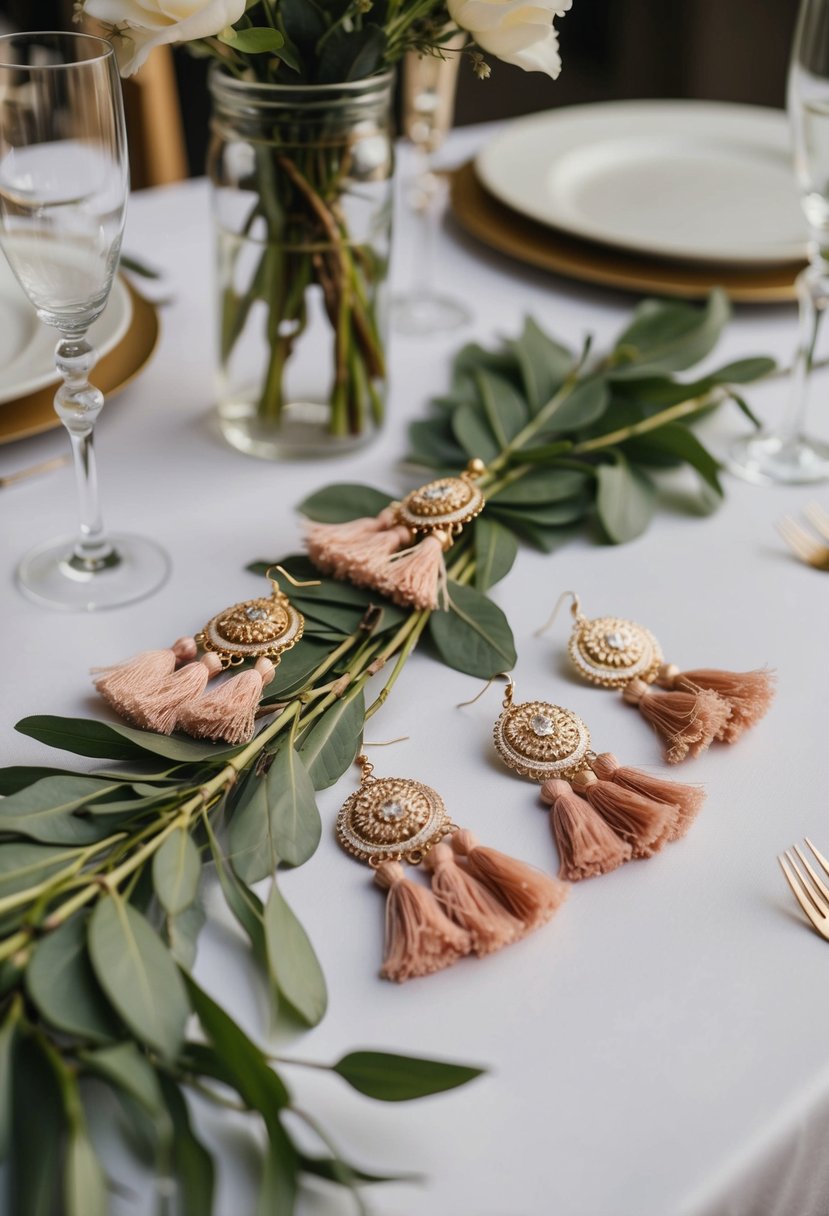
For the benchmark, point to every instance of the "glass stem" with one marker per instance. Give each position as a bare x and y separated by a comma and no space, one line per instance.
425,207
78,404
812,296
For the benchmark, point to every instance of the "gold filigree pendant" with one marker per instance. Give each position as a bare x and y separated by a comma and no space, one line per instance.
539,740
260,628
610,651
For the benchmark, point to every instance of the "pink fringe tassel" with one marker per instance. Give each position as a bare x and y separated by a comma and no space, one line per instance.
749,694
469,904
586,845
330,546
417,576
646,824
122,685
527,894
420,939
687,721
688,799
160,710
228,711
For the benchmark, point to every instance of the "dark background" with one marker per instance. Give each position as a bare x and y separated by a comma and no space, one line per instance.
725,50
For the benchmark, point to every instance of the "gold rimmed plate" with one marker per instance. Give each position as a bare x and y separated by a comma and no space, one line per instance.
504,230
35,413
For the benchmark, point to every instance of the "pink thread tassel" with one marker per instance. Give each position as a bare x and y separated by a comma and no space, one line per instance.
469,904
367,561
645,824
749,694
160,710
420,938
331,547
587,845
228,711
686,798
686,721
416,577
123,685
527,894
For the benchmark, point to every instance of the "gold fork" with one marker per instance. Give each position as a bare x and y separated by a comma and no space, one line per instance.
803,544
809,889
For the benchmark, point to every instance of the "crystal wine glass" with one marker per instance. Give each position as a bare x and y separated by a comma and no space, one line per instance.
429,85
64,179
788,455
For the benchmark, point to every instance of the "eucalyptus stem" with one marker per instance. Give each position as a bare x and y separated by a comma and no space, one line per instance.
682,410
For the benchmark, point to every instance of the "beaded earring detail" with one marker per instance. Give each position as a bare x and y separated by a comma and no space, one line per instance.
602,814
400,552
480,899
164,690
687,709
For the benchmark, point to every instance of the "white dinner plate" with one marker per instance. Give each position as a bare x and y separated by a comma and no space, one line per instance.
27,346
684,179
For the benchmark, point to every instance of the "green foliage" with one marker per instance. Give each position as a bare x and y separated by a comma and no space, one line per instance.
393,1078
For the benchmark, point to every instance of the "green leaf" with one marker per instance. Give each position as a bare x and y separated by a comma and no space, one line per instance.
245,905
181,933
474,635
192,1163
60,982
394,1078
505,410
343,501
335,1169
18,776
432,443
331,745
8,1036
37,1119
27,865
124,1067
351,55
277,820
474,433
544,363
670,335
543,515
176,872
746,409
495,552
256,1082
583,405
294,668
625,500
44,811
293,962
676,440
87,737
541,486
280,1179
135,970
85,1191
253,41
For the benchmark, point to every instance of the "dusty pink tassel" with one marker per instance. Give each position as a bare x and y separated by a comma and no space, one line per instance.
367,561
330,546
227,711
160,710
686,798
420,938
122,684
586,845
686,721
467,902
527,894
417,576
748,693
646,824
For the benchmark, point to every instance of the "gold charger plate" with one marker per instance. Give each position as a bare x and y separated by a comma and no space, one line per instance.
34,414
505,230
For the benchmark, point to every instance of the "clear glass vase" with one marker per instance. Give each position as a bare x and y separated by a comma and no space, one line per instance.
302,200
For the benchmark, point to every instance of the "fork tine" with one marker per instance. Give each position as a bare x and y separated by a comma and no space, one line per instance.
821,886
802,544
818,518
816,919
821,859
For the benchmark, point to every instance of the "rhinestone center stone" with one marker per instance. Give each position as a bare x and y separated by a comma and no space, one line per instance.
256,614
434,493
615,640
392,811
541,725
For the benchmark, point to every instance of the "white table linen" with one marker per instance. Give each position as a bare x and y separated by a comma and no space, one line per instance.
661,1048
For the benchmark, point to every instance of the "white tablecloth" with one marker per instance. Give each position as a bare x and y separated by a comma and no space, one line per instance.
660,1049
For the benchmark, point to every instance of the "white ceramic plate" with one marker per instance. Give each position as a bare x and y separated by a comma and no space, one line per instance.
683,179
27,346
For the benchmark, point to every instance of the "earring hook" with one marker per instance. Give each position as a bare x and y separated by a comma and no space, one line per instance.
314,582
501,675
575,609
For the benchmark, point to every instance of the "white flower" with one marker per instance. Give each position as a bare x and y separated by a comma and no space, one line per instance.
140,25
513,30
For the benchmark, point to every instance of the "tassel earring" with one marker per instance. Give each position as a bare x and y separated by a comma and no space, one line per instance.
601,814
687,709
400,553
479,899
166,690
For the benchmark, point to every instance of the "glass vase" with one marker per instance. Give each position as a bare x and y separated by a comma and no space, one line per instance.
302,202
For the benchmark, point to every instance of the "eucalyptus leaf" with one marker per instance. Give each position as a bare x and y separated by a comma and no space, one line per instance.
432,443
344,501
36,1158
294,669
331,745
88,737
545,364
25,865
245,905
62,986
140,979
674,439
45,811
293,962
17,776
495,552
583,405
473,636
126,1068
543,515
473,432
192,1163
280,1178
625,500
85,1190
8,1036
258,41
176,872
181,932
541,486
505,410
335,1169
277,820
670,335
395,1078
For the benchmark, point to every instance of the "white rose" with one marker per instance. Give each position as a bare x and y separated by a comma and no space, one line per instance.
140,25
513,30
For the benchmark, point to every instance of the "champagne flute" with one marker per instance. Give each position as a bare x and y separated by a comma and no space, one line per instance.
64,179
429,85
788,455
